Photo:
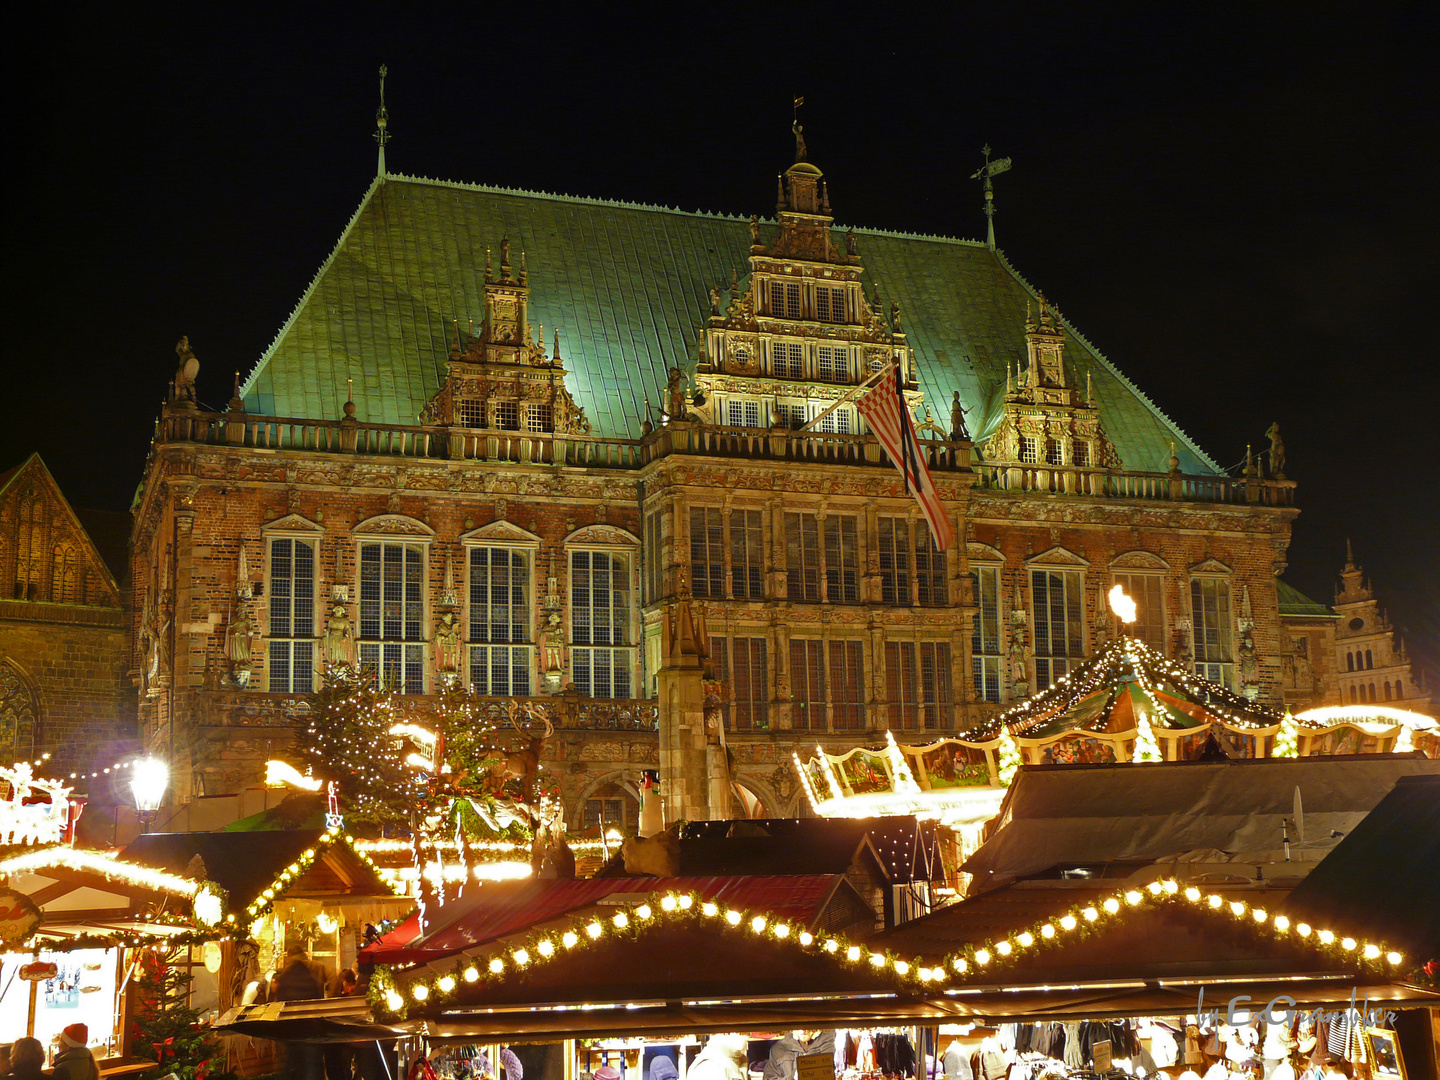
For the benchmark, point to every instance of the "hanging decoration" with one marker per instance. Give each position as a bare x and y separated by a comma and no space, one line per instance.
34,810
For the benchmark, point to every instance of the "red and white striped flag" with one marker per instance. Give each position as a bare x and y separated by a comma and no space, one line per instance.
884,409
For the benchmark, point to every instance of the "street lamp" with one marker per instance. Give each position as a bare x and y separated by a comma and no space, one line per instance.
148,778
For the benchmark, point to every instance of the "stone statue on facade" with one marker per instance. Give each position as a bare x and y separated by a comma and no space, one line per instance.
958,430
237,646
554,648
714,300
447,645
339,643
851,248
1277,451
754,230
799,140
675,393
185,372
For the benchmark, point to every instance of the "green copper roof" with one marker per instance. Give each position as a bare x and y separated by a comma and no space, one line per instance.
628,286
1294,602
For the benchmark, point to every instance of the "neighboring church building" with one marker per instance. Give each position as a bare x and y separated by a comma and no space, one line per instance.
552,447
1370,660
1345,655
64,629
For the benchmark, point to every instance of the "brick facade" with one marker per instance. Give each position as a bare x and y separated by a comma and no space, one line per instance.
64,632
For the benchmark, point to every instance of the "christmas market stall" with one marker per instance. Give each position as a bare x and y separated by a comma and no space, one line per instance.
306,885
76,921
1162,977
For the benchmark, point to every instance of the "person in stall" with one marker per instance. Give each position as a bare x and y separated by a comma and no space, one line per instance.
27,1060
75,1061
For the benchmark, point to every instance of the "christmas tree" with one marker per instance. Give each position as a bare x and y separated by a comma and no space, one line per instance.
167,1030
392,759
1009,757
1146,746
1287,741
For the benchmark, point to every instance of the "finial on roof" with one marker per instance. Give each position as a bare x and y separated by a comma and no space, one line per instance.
349,399
779,192
1349,554
382,124
236,403
986,172
489,273
556,357
523,272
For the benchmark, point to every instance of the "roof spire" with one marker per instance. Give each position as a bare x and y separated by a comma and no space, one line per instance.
382,122
988,170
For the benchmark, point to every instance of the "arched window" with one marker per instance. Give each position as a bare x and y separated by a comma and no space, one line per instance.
1352,695
1372,692
1399,689
1369,663
1349,661
1387,691
18,713
62,575
29,552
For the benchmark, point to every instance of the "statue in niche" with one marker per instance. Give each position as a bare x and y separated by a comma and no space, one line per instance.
447,644
339,639
958,431
1277,451
237,646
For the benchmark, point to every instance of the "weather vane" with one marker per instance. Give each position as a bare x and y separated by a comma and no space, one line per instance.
382,120
797,129
990,169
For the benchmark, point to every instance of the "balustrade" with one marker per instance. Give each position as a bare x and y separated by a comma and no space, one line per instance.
701,440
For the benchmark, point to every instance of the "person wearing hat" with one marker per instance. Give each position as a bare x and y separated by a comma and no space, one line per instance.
75,1061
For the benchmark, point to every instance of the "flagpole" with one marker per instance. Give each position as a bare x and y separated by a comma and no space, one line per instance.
850,396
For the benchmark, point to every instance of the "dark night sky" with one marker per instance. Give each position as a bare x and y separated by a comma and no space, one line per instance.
1236,203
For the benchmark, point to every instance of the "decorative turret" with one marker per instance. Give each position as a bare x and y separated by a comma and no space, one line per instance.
794,335
1048,421
502,377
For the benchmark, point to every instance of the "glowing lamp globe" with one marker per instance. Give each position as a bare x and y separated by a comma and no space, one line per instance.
148,779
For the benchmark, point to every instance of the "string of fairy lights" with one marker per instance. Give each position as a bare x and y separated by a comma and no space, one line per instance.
395,992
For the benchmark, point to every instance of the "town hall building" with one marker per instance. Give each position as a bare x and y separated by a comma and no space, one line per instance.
607,456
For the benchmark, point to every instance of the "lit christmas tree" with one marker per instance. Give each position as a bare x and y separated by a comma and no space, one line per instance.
1009,758
1287,741
1146,746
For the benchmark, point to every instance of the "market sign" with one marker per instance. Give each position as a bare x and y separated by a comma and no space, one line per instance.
18,917
815,1067
39,971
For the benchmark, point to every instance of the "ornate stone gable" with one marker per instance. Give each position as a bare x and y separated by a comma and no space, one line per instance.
1047,420
797,332
502,378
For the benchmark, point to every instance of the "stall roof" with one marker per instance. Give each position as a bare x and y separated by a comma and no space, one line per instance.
1383,878
245,864
1166,939
499,909
1083,815
905,848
